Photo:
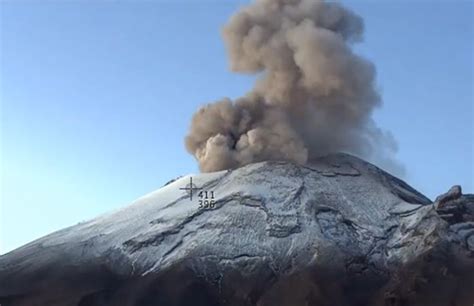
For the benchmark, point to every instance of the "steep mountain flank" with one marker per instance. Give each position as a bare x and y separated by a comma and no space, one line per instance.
338,231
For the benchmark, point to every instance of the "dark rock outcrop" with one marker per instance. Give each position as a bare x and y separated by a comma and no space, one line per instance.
337,232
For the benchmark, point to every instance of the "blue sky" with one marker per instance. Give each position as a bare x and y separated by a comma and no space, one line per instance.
96,98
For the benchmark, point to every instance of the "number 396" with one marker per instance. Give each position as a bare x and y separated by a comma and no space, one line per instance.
207,204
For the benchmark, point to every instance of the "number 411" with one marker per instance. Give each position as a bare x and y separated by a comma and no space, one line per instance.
206,194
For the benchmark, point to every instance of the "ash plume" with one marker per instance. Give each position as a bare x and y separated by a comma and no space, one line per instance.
314,95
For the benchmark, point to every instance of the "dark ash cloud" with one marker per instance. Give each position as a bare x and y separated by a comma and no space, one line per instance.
314,95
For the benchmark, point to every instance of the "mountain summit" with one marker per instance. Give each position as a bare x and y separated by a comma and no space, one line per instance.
338,231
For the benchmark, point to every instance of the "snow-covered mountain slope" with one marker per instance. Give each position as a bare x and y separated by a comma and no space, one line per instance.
336,222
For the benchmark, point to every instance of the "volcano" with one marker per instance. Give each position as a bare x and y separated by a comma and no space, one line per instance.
338,231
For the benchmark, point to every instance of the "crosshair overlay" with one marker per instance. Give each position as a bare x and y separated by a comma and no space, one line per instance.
190,188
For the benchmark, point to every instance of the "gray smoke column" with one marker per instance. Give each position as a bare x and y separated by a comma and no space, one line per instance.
313,96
